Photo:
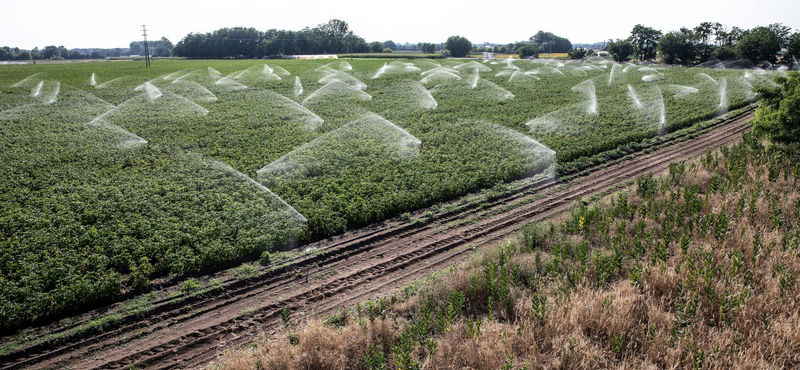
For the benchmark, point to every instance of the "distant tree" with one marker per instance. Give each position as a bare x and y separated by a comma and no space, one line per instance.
732,37
271,48
36,54
427,48
95,55
528,51
75,54
783,33
136,48
778,115
621,50
550,43
387,50
333,36
63,52
719,32
677,47
358,44
724,53
23,55
577,53
645,41
591,52
390,44
50,52
794,46
700,39
376,46
163,48
459,46
760,44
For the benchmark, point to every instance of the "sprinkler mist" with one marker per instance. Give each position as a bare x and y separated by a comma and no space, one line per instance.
298,86
247,179
591,93
723,96
662,121
632,93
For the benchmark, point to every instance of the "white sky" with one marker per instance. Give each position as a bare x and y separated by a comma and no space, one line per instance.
106,24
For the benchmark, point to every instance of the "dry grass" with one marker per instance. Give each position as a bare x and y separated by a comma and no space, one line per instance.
725,298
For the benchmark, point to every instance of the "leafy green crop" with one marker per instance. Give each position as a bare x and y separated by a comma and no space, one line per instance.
113,174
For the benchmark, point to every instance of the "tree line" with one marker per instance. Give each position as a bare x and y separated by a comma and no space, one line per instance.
157,48
49,52
691,46
333,37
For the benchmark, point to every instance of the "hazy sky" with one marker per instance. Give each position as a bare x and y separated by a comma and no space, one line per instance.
106,24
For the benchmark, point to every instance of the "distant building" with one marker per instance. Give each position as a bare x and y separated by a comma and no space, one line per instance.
488,55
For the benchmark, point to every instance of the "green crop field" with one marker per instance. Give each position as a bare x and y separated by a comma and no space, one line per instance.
112,174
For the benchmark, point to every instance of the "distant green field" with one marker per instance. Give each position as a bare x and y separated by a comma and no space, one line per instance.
113,174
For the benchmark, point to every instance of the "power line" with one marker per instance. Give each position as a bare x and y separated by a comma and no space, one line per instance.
146,48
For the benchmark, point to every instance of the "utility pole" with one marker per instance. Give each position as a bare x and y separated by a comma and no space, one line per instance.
146,48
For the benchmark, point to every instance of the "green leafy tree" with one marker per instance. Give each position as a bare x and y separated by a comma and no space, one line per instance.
724,53
760,44
621,50
63,52
75,54
645,42
163,48
701,40
358,44
677,47
136,48
428,48
23,55
376,47
51,52
794,46
528,51
577,53
459,46
390,45
719,32
550,43
778,115
783,33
